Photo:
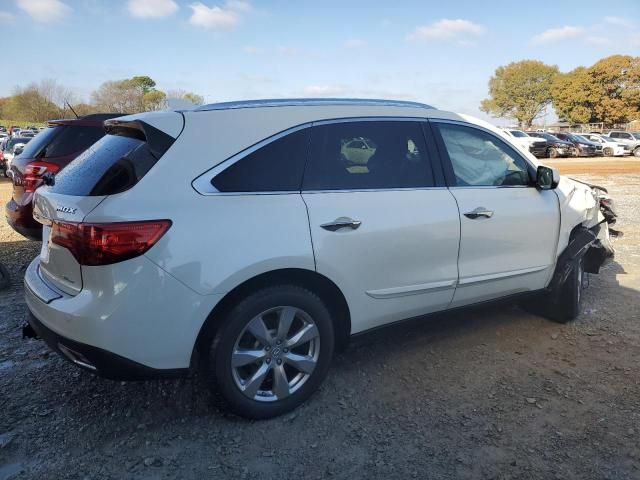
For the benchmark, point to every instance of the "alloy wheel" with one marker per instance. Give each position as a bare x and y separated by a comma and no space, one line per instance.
275,354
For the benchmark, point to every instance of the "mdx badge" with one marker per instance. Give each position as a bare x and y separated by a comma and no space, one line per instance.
66,210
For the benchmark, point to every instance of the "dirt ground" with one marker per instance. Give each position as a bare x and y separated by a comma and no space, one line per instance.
488,393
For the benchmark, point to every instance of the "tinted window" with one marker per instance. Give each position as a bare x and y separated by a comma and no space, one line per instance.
276,167
481,159
113,164
367,155
62,140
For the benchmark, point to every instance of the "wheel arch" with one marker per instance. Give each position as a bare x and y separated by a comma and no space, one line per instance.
314,281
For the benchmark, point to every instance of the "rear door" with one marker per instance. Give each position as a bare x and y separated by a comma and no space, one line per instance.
509,229
383,228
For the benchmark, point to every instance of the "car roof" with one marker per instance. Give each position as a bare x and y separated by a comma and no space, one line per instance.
300,102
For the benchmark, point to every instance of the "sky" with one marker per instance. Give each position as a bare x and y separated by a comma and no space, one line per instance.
440,53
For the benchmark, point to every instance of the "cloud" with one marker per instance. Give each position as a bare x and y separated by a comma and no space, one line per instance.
355,43
218,18
44,11
324,90
622,22
275,51
597,41
553,35
6,17
152,8
446,30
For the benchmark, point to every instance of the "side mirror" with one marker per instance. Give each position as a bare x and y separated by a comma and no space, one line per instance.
547,178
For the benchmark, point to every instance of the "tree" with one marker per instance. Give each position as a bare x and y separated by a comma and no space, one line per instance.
520,90
137,94
29,104
608,91
190,97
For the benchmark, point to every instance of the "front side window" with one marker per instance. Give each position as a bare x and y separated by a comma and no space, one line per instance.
362,155
481,159
276,167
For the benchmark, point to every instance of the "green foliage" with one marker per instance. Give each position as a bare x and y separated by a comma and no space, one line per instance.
520,90
608,91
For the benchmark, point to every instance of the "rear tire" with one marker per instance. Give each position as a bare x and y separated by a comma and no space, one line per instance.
254,360
636,152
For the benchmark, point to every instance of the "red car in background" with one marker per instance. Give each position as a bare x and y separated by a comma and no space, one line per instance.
48,153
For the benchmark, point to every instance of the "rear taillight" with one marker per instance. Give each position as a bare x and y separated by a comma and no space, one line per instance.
33,173
106,243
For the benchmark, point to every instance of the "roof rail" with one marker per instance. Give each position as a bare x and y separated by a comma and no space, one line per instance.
298,102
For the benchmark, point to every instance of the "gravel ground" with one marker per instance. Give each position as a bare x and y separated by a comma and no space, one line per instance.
492,392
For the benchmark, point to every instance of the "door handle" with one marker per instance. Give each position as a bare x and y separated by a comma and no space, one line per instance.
342,222
479,212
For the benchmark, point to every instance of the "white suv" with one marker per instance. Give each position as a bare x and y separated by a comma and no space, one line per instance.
249,240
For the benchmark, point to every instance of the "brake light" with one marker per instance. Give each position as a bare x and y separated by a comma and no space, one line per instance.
33,173
95,244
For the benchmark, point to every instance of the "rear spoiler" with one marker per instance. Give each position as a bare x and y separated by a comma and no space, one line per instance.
157,140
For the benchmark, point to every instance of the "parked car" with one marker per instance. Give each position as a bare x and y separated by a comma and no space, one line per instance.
48,153
581,146
3,128
3,165
631,140
262,253
10,146
598,145
555,147
610,147
531,144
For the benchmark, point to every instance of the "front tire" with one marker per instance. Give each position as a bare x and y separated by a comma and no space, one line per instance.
568,301
553,153
608,152
636,152
272,352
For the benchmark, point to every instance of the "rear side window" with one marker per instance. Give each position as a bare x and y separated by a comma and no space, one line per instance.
62,140
112,165
368,155
276,167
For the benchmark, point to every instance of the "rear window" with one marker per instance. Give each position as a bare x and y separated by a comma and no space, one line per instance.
62,140
112,165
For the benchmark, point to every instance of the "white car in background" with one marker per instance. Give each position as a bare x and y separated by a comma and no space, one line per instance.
610,147
291,225
535,145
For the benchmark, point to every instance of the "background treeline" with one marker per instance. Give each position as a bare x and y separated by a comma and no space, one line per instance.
607,92
47,99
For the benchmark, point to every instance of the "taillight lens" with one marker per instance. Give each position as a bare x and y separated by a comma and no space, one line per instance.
95,244
33,173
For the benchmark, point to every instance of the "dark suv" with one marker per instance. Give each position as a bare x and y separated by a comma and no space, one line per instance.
555,146
49,152
582,146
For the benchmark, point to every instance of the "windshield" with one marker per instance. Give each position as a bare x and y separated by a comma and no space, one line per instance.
518,133
16,140
636,135
548,136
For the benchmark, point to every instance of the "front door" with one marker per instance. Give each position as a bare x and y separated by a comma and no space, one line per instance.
509,229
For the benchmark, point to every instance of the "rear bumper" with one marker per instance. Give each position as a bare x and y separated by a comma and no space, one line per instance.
129,313
96,360
20,218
